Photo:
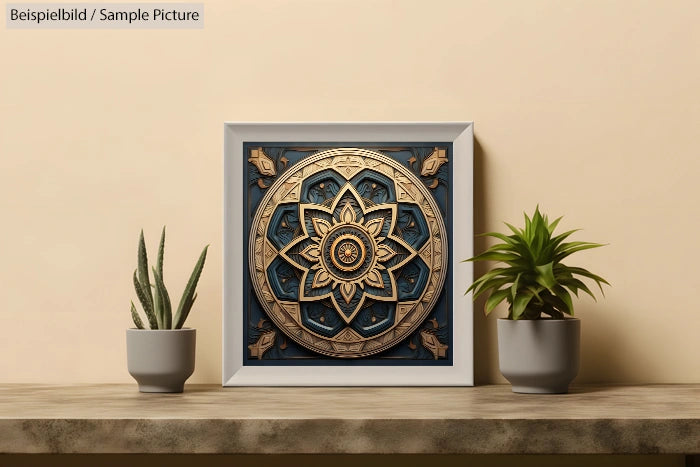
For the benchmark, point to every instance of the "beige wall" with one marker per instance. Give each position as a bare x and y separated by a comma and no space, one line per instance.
590,108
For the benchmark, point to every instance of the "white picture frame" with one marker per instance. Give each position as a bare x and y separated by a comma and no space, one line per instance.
460,373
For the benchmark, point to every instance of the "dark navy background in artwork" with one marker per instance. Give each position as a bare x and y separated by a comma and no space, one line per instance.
286,351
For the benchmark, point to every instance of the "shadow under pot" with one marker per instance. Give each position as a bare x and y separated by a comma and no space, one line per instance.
161,360
539,356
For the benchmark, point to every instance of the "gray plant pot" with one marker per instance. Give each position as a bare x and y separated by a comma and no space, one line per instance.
539,356
161,360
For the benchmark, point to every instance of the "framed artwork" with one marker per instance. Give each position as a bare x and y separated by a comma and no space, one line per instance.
342,254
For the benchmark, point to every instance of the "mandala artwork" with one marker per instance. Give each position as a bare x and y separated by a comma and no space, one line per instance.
347,253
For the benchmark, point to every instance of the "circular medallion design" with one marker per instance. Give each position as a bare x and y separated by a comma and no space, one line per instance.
348,252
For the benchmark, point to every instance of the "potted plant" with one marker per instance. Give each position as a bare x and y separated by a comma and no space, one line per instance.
161,358
538,343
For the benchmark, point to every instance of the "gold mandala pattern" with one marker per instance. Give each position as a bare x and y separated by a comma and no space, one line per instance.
347,253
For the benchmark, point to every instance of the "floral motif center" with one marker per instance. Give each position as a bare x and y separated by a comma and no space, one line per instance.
347,253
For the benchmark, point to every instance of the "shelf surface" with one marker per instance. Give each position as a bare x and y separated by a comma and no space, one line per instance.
659,419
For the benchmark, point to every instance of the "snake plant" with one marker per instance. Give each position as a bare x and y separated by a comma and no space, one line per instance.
154,296
534,281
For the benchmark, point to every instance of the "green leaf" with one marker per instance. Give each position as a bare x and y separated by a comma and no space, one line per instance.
492,284
500,236
187,299
147,307
551,227
501,247
135,316
495,298
553,306
560,238
545,276
565,249
528,229
520,303
164,299
143,269
516,246
535,291
186,310
161,251
505,272
565,297
158,309
516,231
494,256
514,288
575,285
583,272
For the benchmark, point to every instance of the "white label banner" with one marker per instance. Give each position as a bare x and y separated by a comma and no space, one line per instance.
104,15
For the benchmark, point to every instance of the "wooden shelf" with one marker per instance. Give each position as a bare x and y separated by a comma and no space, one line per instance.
662,419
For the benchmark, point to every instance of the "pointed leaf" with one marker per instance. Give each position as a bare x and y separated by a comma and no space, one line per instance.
545,275
569,245
143,269
514,288
189,291
502,247
575,285
583,272
495,256
505,272
516,231
135,316
495,298
565,297
528,229
347,291
497,235
312,253
161,251
162,293
520,303
347,214
561,237
374,227
535,291
551,227
158,308
374,279
491,285
321,227
384,253
568,248
147,307
553,306
186,310
321,279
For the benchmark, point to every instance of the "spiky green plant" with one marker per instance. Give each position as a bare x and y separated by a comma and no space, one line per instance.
154,296
534,281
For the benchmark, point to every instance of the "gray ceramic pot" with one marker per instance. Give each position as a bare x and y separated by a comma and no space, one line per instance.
160,360
539,356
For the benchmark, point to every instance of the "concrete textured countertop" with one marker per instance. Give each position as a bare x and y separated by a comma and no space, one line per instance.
663,419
